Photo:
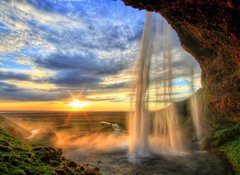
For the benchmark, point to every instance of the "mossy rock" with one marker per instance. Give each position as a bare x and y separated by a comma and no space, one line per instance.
18,157
225,140
232,152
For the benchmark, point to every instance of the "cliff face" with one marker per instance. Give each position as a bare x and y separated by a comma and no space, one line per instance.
210,31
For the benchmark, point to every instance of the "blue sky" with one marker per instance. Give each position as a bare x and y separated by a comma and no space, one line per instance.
51,47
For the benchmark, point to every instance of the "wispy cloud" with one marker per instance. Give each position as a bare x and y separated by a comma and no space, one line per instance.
6,75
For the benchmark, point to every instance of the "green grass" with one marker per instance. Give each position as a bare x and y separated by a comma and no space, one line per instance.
226,141
232,152
18,157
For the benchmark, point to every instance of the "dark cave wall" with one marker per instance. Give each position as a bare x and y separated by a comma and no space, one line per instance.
210,31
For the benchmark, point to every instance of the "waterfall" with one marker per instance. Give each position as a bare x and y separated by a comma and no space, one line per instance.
139,119
166,135
166,132
196,114
195,108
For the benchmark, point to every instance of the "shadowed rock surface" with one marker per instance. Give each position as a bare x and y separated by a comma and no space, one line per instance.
210,31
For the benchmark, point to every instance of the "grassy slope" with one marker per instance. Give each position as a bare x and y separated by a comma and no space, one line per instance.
18,157
13,128
226,141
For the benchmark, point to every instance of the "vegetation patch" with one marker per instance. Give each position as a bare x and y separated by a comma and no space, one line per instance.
18,157
226,141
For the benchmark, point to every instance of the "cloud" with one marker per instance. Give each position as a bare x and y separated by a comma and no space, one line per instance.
84,62
7,87
4,75
116,85
73,79
106,96
10,91
68,26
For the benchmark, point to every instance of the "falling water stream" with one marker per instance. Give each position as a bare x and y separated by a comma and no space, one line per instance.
196,112
138,145
166,135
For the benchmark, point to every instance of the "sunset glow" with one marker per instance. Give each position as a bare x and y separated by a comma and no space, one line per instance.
77,104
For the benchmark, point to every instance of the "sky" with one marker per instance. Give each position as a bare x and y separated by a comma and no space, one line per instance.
54,51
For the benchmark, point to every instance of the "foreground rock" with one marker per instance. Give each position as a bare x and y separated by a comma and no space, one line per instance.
19,158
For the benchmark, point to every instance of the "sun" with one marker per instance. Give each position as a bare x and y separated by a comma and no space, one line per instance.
76,104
